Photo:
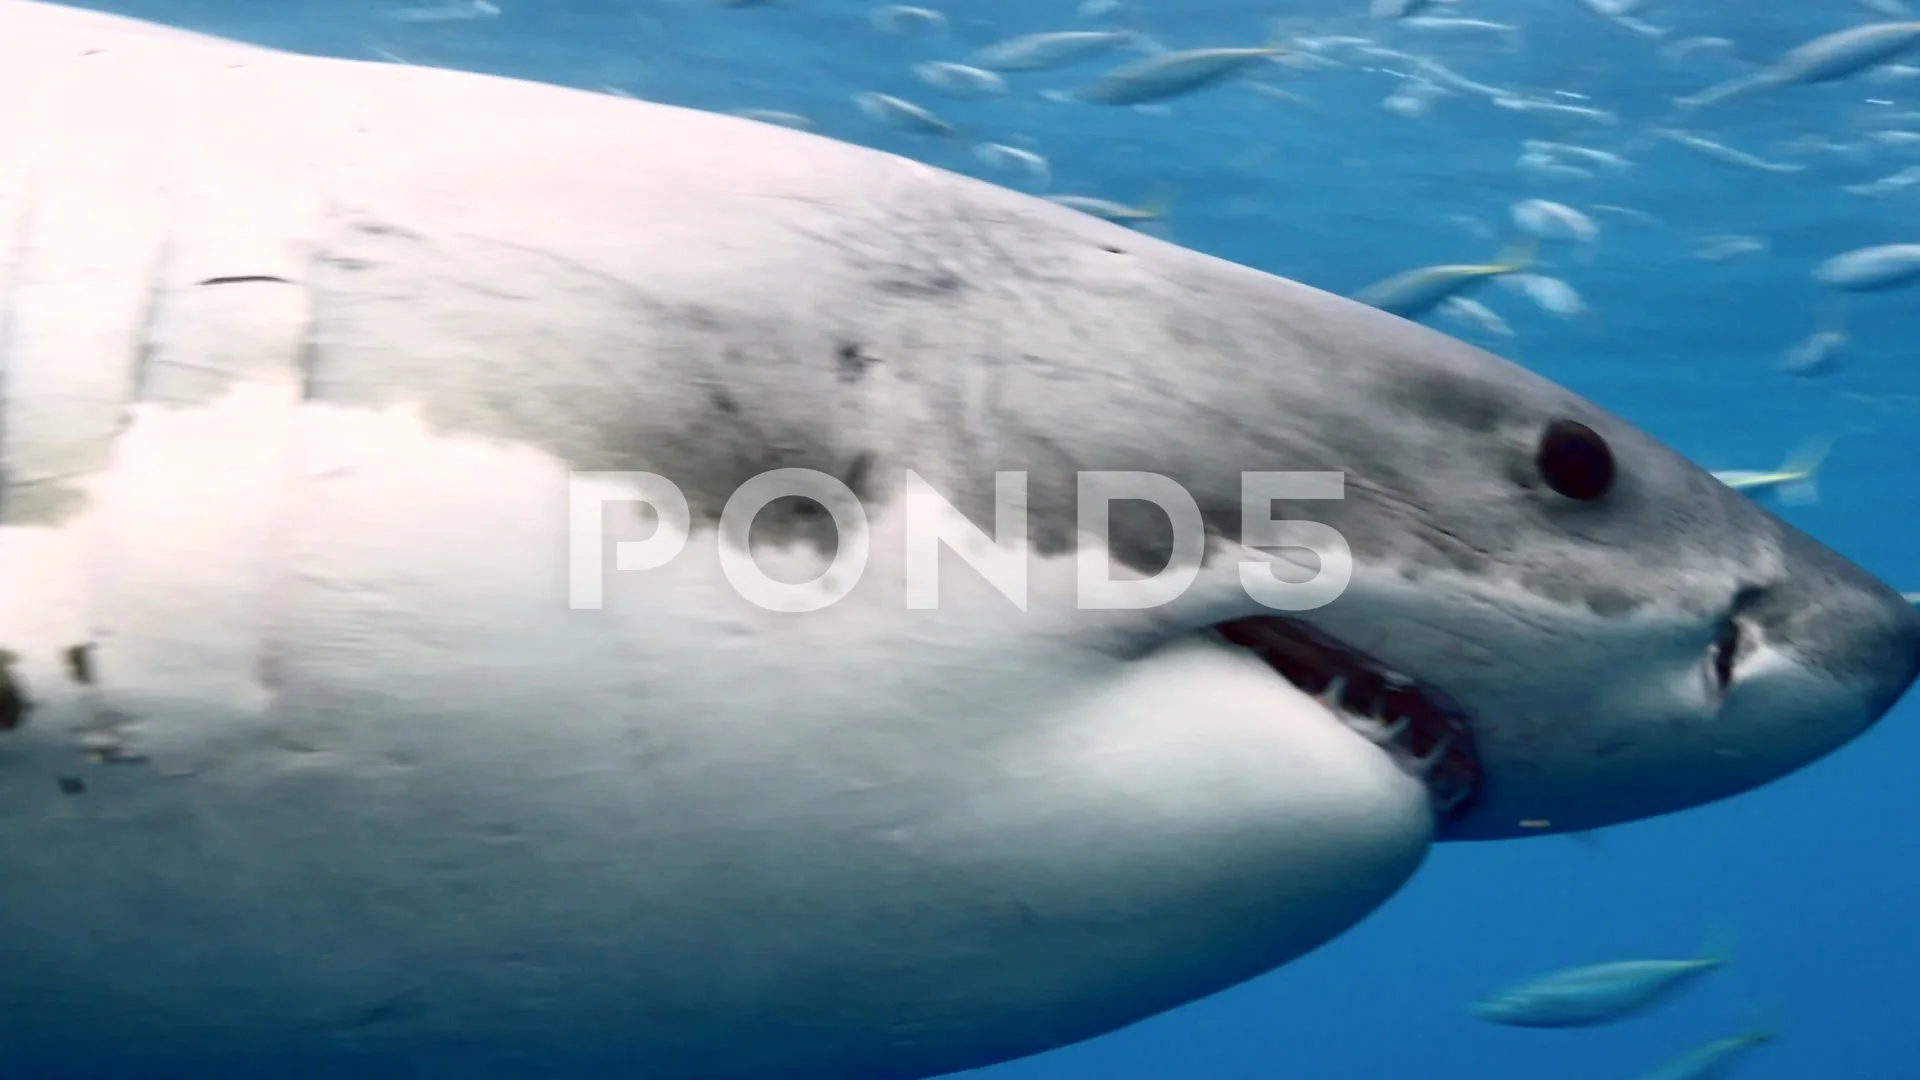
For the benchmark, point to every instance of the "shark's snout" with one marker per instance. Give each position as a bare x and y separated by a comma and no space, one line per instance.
1838,624
1798,656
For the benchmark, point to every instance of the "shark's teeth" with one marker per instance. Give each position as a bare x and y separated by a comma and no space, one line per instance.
1420,726
1389,732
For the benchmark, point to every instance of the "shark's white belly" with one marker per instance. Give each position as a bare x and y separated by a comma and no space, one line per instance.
356,778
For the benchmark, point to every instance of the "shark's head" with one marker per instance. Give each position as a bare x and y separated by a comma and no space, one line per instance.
1559,620
1627,635
1614,632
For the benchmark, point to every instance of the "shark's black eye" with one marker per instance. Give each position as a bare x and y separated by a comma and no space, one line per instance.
1575,461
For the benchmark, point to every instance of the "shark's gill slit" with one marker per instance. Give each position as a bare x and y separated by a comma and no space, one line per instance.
1420,726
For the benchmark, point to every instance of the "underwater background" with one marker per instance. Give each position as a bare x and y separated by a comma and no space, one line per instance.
1343,166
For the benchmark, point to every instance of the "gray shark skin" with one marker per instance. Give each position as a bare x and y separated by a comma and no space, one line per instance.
309,769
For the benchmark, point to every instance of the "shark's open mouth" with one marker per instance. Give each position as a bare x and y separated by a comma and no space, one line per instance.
1420,726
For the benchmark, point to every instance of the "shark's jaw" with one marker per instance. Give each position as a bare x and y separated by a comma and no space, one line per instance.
1527,716
1418,725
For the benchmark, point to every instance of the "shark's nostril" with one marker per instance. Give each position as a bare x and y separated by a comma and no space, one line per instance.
1723,653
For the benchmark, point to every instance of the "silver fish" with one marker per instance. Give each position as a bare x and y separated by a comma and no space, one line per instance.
776,116
1886,185
1471,312
1638,217
1722,248
1595,994
1605,158
1045,52
459,11
1824,59
1621,12
902,114
1519,103
959,80
1014,159
1547,165
1723,153
1446,25
1686,47
901,19
1869,269
1815,355
1400,9
1544,219
1549,294
1895,138
1709,1060
1172,74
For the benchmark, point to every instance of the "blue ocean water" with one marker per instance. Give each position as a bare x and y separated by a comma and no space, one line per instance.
1812,874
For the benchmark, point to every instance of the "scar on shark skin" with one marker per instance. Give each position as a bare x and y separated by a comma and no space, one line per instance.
14,705
80,664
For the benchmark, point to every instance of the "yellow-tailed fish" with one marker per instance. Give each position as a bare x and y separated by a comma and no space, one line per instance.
1412,294
1154,207
1795,481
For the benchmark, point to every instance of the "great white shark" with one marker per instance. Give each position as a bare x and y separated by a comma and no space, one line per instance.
313,765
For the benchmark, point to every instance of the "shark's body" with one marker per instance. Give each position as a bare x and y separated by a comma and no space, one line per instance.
309,769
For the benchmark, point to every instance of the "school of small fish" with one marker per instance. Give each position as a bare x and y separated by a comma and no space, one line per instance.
1580,154
1397,43
1107,57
